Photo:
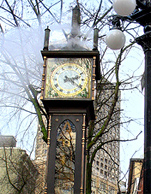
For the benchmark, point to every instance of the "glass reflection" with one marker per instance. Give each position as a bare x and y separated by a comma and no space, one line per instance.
65,158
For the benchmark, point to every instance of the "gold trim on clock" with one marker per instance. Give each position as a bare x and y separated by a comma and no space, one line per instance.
69,79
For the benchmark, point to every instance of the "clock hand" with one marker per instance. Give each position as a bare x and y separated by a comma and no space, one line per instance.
76,77
67,79
72,78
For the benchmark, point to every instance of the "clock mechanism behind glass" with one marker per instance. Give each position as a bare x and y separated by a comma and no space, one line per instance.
68,78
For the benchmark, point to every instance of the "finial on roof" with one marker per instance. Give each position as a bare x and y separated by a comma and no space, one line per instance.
46,40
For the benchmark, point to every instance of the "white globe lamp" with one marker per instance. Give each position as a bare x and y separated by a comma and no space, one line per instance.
115,39
124,7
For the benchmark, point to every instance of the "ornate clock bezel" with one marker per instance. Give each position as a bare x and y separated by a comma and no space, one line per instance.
84,64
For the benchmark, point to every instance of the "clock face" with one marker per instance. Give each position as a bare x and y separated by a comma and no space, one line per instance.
69,79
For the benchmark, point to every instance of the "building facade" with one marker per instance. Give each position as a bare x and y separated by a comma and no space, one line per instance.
107,160
135,178
17,171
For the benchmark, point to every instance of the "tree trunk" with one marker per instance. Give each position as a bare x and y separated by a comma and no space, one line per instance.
88,178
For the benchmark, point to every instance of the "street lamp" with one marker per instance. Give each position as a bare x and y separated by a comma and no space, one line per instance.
124,7
140,13
115,39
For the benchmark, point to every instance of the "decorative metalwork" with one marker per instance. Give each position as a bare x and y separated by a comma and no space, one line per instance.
141,15
43,78
93,77
48,145
83,155
145,41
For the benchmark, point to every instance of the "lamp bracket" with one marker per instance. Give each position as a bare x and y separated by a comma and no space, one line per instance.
145,41
116,21
143,4
141,15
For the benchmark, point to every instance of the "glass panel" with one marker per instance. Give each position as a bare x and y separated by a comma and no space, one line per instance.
65,158
76,72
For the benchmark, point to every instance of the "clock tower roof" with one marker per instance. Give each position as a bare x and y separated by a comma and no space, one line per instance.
72,45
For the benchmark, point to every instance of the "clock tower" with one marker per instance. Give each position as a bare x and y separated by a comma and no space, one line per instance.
68,94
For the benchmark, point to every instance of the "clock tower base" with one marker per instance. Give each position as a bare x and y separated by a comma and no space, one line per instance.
66,153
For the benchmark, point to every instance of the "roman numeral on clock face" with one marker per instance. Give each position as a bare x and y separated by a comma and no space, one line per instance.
56,85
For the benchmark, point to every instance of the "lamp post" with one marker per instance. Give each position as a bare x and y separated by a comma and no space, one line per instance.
140,12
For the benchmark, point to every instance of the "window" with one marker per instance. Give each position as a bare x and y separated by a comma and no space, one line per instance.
65,157
105,173
93,183
102,186
111,190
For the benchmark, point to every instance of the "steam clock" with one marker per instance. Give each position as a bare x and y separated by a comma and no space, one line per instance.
68,93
